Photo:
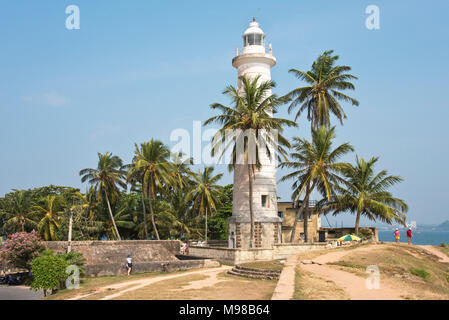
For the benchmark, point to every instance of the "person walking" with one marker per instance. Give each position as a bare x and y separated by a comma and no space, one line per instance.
409,235
397,235
129,264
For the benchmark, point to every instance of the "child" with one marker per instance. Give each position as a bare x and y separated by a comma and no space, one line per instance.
397,235
129,263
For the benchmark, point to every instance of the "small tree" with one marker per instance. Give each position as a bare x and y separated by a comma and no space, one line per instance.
20,249
49,272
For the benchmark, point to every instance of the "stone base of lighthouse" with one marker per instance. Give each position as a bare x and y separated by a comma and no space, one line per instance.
266,233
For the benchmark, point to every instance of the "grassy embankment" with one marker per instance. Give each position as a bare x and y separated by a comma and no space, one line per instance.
411,269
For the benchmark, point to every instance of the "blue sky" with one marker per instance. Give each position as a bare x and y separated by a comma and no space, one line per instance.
140,69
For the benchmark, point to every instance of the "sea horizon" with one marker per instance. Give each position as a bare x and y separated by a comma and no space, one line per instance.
419,237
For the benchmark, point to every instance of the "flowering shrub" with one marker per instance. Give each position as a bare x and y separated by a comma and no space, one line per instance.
20,249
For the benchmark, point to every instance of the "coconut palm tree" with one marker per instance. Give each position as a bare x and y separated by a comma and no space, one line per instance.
315,166
17,212
136,178
107,178
152,162
321,96
170,225
206,193
249,121
180,170
364,193
49,224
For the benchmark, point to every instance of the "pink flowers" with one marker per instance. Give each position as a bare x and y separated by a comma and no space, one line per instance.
20,248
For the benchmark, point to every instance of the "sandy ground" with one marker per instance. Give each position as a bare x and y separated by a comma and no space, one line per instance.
128,286
354,286
438,253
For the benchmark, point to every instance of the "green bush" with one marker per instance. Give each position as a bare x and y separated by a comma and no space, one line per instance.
49,270
364,234
420,273
444,245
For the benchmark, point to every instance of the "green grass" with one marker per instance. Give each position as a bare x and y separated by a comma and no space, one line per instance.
420,273
347,264
265,265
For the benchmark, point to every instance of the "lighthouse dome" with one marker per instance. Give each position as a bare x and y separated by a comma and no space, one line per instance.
254,35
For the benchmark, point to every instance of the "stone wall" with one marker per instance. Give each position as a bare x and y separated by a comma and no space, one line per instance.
109,257
113,252
237,256
150,266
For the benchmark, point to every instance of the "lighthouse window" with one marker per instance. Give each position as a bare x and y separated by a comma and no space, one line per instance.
253,39
265,201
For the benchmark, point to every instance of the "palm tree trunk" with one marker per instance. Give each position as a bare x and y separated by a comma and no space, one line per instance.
206,228
145,228
357,221
111,216
302,208
69,247
306,215
251,213
152,215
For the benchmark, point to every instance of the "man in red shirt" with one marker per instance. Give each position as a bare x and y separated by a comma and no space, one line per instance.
409,235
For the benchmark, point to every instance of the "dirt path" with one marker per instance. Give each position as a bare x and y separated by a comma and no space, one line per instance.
285,287
353,285
436,252
137,284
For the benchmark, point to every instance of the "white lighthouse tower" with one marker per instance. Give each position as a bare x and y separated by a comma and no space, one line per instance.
255,61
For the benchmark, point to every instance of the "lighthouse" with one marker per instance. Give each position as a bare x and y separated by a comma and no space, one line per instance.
253,61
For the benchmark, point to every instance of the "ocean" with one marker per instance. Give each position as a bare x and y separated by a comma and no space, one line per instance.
419,237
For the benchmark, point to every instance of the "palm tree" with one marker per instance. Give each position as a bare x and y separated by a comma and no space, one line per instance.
323,92
17,212
136,178
364,193
168,222
124,214
151,159
107,178
183,210
315,165
206,193
252,111
50,222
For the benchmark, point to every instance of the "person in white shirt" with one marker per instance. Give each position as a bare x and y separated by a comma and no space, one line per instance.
129,264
